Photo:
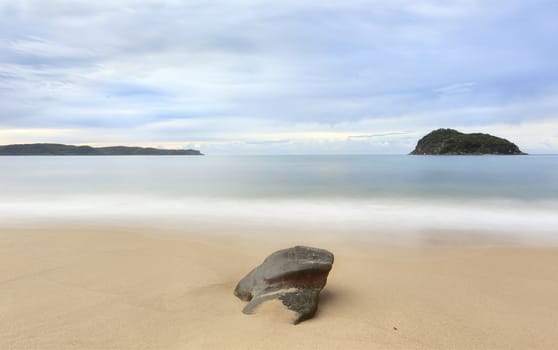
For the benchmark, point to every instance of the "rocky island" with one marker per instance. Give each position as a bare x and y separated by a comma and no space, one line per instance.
55,149
453,142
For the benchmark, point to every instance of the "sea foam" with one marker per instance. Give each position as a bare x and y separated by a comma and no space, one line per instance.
534,221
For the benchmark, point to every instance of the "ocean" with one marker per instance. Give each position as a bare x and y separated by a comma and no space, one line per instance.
354,193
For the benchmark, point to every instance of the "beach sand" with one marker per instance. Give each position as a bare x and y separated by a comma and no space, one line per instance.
118,286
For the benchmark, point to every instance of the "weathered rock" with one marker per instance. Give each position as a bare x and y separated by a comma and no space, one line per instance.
294,275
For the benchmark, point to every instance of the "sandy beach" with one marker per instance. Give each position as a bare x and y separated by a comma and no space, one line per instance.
110,286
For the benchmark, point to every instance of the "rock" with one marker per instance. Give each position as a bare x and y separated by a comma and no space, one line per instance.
453,142
294,275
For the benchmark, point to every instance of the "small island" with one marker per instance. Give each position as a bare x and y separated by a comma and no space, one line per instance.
453,142
55,149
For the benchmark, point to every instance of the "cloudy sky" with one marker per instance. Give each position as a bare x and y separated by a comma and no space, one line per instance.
290,76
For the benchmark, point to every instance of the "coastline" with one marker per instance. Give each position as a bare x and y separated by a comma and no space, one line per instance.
393,221
85,285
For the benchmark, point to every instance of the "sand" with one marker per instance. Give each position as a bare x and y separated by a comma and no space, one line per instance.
91,286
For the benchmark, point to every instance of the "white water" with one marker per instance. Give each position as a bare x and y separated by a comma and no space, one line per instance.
361,196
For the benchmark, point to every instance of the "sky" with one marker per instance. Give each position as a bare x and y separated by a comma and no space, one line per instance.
278,77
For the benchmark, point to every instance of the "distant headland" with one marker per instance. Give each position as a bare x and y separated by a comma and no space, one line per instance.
453,142
55,149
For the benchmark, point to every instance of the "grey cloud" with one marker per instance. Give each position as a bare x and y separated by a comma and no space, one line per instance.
384,134
456,89
267,142
132,64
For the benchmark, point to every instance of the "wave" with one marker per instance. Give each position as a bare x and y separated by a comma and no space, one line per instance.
532,220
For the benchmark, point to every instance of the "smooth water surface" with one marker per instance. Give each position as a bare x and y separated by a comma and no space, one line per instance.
302,177
367,194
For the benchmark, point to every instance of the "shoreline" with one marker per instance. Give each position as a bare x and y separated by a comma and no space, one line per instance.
497,221
70,285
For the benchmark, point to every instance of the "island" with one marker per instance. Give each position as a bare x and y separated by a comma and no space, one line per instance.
55,149
453,142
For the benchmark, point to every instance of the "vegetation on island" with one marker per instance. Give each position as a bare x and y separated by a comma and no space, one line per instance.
55,149
453,142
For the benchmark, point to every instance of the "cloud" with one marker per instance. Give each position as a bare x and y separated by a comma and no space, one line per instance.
253,73
383,134
456,89
35,46
267,142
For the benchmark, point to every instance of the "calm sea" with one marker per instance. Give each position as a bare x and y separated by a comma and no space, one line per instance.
407,192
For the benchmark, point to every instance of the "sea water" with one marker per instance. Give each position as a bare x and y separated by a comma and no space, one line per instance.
361,192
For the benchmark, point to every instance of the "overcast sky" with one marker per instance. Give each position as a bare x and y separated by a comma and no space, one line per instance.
290,76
